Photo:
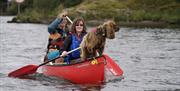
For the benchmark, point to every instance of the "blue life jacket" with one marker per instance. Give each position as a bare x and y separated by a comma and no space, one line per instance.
75,42
53,54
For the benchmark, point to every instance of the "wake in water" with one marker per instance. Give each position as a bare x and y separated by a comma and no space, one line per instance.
67,85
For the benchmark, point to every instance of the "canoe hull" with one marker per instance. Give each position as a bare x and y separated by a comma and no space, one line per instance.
86,72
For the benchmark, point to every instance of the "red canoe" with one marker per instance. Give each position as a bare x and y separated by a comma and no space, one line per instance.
85,72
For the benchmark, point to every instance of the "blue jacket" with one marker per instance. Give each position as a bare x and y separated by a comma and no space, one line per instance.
75,44
52,28
72,42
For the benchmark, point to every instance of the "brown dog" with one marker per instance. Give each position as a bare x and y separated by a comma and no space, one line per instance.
94,41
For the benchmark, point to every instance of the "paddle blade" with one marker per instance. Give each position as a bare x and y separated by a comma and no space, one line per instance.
113,67
29,69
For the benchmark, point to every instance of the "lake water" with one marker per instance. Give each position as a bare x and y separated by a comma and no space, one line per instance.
150,59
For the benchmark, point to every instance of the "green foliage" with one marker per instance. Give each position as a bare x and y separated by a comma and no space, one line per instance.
47,5
178,1
26,4
99,9
148,4
138,15
34,17
172,17
119,10
71,3
13,9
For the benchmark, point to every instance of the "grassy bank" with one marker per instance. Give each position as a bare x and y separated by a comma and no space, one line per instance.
136,13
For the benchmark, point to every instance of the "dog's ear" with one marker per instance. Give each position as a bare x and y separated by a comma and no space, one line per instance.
112,24
106,26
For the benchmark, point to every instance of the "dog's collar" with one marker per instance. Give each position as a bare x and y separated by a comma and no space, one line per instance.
104,32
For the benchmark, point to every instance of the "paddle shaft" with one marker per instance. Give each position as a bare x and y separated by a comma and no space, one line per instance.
69,19
59,56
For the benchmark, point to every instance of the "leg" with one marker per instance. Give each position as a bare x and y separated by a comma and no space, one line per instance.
100,51
59,60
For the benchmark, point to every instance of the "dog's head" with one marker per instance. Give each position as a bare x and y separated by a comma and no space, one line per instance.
110,28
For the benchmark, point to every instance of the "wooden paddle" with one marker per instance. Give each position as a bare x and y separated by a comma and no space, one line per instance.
30,69
69,19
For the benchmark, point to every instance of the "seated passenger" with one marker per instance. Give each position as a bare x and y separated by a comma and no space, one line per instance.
58,31
78,30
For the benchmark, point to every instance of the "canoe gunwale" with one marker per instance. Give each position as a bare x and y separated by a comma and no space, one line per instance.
89,59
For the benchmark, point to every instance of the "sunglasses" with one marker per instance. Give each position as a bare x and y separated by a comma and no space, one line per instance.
79,24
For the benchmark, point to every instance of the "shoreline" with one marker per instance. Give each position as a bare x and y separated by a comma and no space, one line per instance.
140,24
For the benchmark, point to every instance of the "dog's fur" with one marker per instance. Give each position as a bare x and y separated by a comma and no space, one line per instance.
94,41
